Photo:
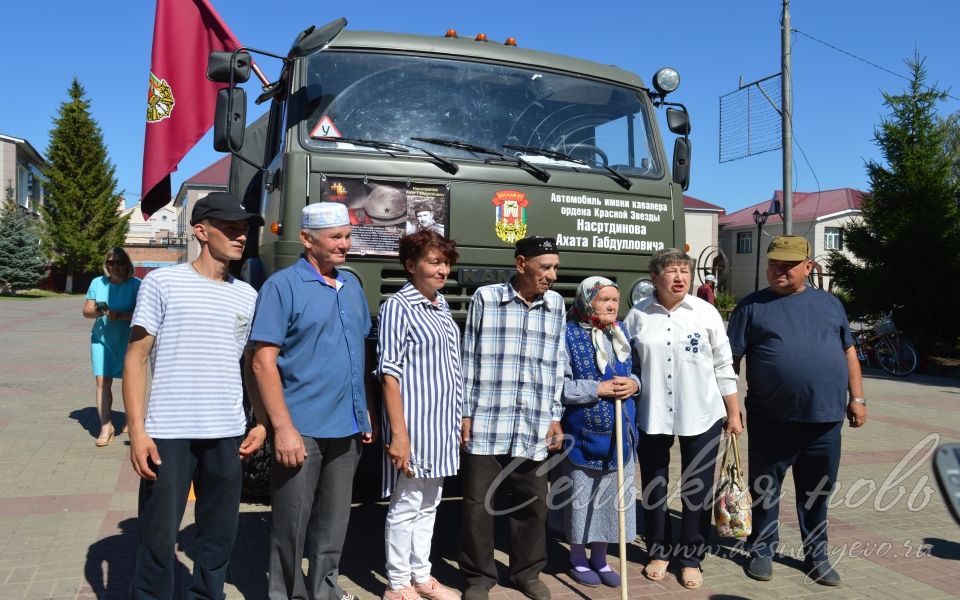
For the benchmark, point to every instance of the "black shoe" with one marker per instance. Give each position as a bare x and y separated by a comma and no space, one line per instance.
821,572
534,589
476,592
760,568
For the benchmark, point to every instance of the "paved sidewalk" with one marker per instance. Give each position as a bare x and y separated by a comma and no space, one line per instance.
67,509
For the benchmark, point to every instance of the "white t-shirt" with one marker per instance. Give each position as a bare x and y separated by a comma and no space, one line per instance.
201,328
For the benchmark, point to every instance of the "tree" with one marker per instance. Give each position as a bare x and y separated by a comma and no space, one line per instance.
22,264
81,200
907,245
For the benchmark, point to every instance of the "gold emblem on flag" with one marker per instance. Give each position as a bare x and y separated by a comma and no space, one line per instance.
159,100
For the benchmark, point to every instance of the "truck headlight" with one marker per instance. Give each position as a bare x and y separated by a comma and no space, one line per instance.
641,290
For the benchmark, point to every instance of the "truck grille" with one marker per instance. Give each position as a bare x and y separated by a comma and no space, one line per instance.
458,297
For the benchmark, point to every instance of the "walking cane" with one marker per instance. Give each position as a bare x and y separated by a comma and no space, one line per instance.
621,517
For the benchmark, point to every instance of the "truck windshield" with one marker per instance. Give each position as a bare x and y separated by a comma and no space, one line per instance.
395,98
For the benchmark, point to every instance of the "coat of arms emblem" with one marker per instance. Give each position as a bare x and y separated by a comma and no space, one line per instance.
511,215
159,100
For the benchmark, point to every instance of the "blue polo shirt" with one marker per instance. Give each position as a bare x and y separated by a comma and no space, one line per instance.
320,331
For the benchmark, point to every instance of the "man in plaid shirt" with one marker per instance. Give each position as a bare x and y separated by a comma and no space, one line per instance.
513,371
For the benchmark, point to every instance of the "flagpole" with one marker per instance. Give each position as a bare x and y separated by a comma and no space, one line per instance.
263,78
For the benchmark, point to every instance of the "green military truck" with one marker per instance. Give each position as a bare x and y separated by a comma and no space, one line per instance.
485,142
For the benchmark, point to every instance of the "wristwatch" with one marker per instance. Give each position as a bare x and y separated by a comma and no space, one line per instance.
862,401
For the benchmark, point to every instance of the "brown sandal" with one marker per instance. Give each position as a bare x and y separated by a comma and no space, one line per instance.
104,440
656,570
691,578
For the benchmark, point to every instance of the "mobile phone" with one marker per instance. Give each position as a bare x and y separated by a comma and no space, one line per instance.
946,465
102,307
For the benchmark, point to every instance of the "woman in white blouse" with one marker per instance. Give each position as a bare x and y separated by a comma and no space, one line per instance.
689,391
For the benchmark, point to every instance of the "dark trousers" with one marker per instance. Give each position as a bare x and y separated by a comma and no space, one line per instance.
813,450
698,459
527,510
214,468
311,509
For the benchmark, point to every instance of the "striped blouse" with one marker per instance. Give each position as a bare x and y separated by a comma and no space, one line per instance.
419,345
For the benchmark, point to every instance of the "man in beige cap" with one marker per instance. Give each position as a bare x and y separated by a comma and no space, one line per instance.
803,379
310,362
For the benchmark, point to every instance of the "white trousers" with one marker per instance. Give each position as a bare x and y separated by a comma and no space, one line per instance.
409,529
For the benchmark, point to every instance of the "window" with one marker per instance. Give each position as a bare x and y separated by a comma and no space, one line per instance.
745,242
833,238
393,98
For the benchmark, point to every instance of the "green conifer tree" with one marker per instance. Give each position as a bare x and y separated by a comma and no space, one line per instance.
907,245
81,201
22,264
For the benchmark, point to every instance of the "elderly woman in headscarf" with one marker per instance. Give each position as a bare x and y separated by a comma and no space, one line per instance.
598,371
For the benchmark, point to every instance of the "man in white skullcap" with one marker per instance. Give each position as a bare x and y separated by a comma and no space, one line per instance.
310,331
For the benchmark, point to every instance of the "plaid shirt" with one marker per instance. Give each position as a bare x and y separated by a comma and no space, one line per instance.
513,362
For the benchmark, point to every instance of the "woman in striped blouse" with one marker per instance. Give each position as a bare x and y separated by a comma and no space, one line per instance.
419,366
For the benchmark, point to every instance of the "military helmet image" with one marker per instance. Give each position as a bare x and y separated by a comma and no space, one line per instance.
386,205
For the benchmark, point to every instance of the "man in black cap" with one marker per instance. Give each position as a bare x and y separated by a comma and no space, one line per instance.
191,322
513,371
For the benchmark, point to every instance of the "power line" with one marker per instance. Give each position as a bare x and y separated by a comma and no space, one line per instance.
872,64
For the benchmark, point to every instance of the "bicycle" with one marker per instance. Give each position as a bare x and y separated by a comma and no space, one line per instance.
882,341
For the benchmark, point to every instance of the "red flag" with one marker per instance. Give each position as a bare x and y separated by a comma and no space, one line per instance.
180,98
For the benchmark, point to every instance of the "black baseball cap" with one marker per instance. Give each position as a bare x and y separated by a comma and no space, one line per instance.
223,206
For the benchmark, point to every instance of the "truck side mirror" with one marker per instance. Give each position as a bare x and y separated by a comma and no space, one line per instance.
225,67
230,120
313,39
678,121
681,162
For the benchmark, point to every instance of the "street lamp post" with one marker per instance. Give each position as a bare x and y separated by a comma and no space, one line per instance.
760,218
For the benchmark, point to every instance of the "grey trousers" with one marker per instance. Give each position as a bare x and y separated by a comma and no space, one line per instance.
311,509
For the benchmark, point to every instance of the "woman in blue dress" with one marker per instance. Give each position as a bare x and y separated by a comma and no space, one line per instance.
598,372
110,301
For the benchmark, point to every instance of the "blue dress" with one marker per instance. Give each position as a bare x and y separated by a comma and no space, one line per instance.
108,340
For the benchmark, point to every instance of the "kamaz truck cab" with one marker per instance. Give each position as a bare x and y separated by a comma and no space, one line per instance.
484,142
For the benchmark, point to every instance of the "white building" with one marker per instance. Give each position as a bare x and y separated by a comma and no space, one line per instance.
817,216
702,245
157,230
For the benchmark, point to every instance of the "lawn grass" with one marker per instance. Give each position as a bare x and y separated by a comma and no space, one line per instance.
33,295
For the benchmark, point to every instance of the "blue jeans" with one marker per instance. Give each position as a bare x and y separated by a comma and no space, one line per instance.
213,466
813,450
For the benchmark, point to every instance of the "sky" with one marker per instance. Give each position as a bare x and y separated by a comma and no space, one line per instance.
837,99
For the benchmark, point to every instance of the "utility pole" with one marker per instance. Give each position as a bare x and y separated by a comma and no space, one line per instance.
787,119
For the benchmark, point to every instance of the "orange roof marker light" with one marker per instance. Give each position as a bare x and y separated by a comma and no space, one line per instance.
481,37
451,33
511,41
276,227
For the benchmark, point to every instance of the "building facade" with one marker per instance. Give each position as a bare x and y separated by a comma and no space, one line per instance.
702,219
21,169
817,216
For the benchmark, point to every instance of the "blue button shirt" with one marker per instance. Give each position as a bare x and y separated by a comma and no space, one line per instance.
320,331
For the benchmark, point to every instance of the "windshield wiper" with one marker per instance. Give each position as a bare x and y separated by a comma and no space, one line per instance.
531,168
443,163
557,155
